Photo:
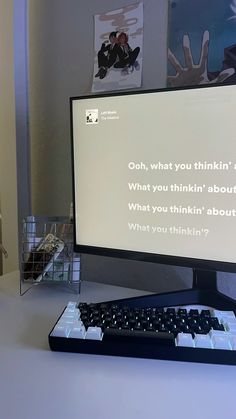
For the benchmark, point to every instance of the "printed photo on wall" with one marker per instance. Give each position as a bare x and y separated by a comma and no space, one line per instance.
118,46
201,42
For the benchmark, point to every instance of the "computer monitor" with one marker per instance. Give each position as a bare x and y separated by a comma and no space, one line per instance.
154,178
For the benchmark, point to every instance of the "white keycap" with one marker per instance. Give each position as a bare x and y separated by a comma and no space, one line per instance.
230,326
61,330
77,332
203,341
71,304
63,321
223,314
233,342
70,322
213,333
94,333
221,342
185,339
75,313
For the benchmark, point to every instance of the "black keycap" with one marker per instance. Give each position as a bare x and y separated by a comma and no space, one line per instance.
84,311
214,322
82,305
113,326
96,320
165,317
125,309
197,329
136,312
192,322
125,326
205,313
170,311
206,329
108,318
144,324
106,323
218,327
163,328
119,322
138,327
181,321
182,312
137,336
150,329
185,328
156,324
193,313
132,323
103,306
92,306
204,322
159,311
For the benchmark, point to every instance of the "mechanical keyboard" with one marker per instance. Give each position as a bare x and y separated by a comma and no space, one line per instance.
173,333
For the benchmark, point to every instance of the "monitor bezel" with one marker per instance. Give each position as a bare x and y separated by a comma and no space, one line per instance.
188,262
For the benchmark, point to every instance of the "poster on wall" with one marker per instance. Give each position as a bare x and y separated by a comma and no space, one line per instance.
201,42
118,49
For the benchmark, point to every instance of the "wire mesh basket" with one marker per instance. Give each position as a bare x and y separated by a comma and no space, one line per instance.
47,254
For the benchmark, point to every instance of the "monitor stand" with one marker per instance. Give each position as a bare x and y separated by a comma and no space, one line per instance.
203,292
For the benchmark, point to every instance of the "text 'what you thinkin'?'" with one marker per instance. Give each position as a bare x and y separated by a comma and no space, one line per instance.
170,230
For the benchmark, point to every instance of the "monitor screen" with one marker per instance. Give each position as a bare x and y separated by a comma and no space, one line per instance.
155,175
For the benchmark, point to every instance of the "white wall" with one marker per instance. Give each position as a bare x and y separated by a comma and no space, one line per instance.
61,65
8,177
61,54
21,105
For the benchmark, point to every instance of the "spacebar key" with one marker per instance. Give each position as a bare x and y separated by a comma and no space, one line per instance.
139,336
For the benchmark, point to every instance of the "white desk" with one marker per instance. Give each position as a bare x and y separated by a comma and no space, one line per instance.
36,383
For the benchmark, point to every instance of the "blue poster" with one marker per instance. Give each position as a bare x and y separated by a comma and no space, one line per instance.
201,42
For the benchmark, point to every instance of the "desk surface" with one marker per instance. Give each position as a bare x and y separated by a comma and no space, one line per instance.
36,383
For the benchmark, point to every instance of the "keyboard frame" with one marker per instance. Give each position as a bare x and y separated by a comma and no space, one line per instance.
148,349
124,349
